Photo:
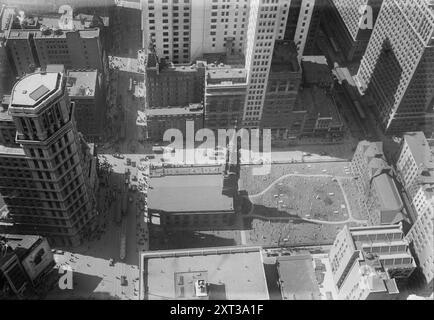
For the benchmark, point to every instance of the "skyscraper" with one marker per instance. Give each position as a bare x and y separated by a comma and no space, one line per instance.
365,262
184,31
280,112
168,24
303,25
416,168
48,173
214,22
267,22
345,22
397,69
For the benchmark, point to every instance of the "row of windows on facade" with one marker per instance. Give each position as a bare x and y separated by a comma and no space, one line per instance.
74,213
41,222
49,202
166,27
23,192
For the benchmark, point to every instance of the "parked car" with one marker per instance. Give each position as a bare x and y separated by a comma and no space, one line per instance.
111,263
128,161
124,281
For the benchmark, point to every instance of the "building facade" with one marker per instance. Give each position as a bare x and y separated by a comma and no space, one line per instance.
280,114
344,23
86,89
173,85
225,94
214,22
24,262
33,42
158,121
368,161
184,31
303,25
415,165
421,233
376,182
168,24
48,172
416,162
365,262
397,68
267,22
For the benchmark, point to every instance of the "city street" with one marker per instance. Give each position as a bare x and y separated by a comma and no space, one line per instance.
92,259
93,274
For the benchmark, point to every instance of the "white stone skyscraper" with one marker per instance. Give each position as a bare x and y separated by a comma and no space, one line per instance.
397,69
267,22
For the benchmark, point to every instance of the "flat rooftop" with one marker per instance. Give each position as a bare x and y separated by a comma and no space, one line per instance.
226,73
316,69
81,83
232,273
387,193
297,278
420,149
11,151
34,87
316,102
37,34
20,241
193,193
343,74
53,21
20,244
5,18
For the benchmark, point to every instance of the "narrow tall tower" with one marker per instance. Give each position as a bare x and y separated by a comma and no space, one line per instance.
267,23
53,196
397,69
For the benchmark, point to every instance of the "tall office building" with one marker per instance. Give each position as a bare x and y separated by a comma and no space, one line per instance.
169,85
267,22
250,27
225,93
280,111
397,69
183,31
421,233
168,24
303,25
365,262
38,41
345,24
214,22
48,173
416,167
416,162
85,89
